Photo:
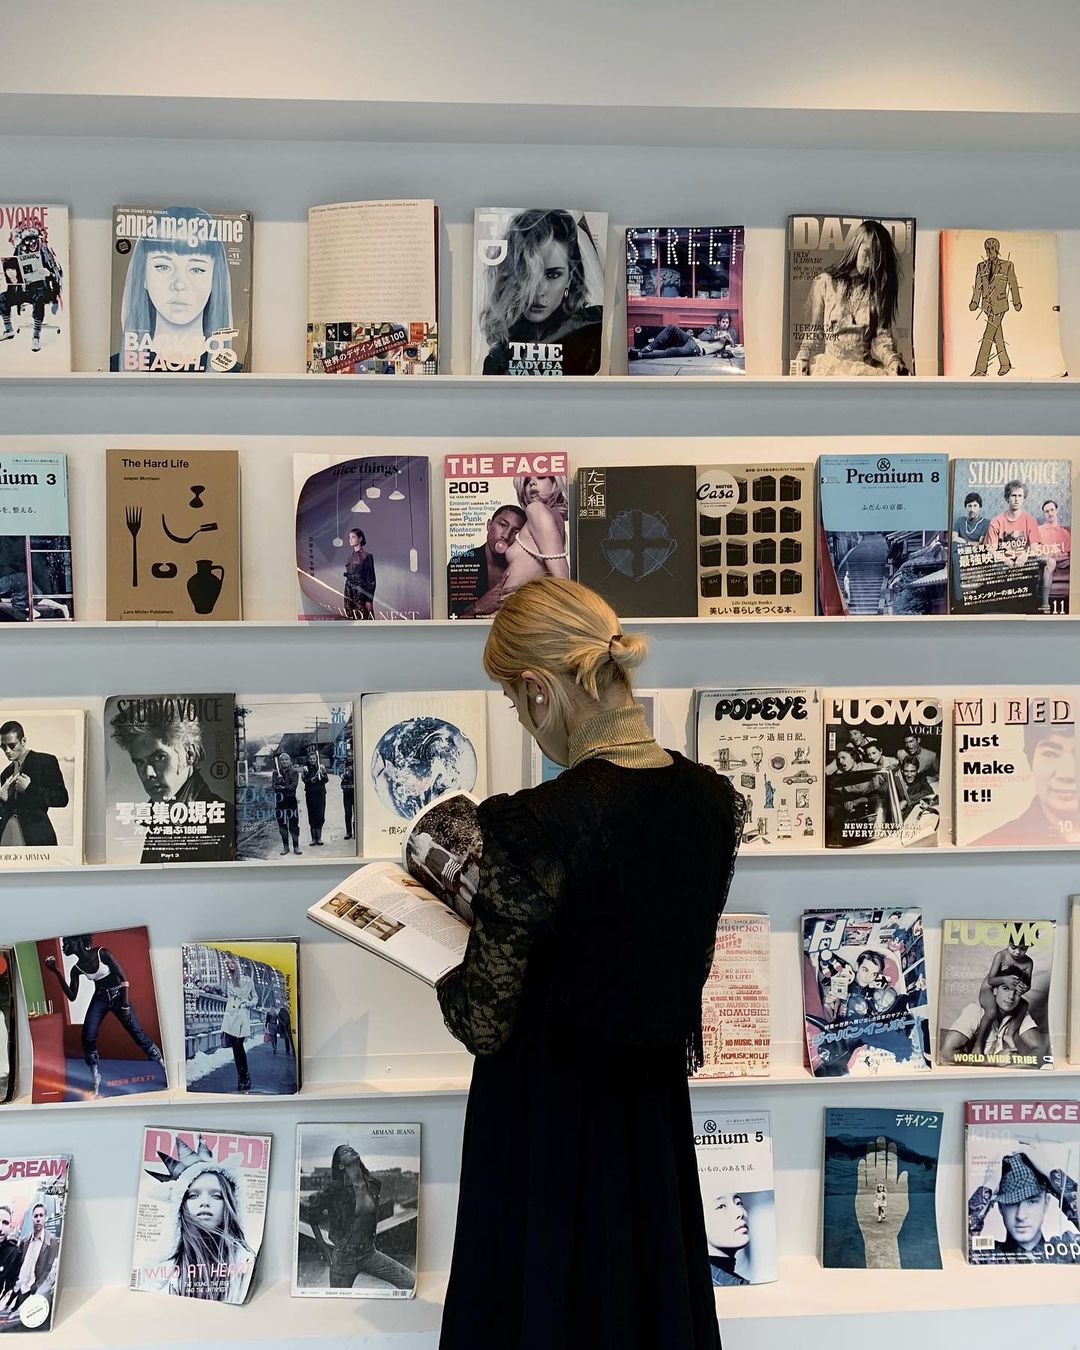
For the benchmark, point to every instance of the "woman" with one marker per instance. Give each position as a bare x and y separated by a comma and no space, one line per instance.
359,578
285,781
539,547
728,1231
211,1258
580,995
240,999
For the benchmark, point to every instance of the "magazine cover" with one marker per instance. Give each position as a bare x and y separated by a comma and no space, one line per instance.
735,1018
684,300
35,307
999,303
768,743
1012,536
636,532
538,291
993,1011
1014,769
181,290
735,1172
357,1209
9,1027
864,992
850,296
880,1189
1021,1171
170,771
33,1205
162,511
35,538
92,1008
882,771
373,288
294,777
363,537
883,534
755,538
242,1016
42,786
506,523
200,1213
1074,981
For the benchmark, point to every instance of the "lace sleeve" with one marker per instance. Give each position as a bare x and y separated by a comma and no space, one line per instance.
735,804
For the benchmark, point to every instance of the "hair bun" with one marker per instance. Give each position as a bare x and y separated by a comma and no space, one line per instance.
627,649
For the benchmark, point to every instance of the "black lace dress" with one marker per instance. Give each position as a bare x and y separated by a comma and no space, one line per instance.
579,1217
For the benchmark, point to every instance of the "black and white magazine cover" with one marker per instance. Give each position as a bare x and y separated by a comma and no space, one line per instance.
35,540
357,1210
33,1205
35,310
735,1174
42,777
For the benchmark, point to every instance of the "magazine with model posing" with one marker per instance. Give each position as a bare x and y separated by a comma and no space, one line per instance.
35,297
35,538
33,1204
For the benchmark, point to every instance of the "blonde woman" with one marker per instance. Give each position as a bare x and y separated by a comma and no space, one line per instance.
539,547
579,1217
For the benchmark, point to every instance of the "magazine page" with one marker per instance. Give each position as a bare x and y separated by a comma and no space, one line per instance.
35,538
33,1206
9,1026
35,290
735,1173
442,851
42,786
736,1028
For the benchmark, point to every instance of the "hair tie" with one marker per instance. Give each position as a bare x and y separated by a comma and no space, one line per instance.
615,637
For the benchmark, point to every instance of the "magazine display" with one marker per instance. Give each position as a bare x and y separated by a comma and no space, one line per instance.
92,1008
357,1211
506,524
735,1021
768,743
636,533
1011,536
755,539
864,992
993,1011
1021,1171
9,1026
882,771
1074,981
850,296
538,291
33,1206
170,778
363,537
181,290
883,534
35,308
200,1213
1014,769
880,1189
999,303
42,786
162,510
35,538
735,1173
373,288
684,300
242,1016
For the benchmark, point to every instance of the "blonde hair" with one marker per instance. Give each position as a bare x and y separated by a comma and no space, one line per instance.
566,633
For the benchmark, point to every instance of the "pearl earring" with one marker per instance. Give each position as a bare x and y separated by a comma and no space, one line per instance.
539,698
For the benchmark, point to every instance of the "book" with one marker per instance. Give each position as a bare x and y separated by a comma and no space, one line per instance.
416,747
373,288
883,534
1074,981
181,290
864,992
200,1213
92,1008
294,777
755,540
170,778
880,1189
242,1016
35,539
506,523
999,303
543,770
767,742
735,1173
538,290
363,537
735,1018
882,770
850,296
1011,536
35,303
1014,768
1021,1170
33,1207
993,1009
636,531
357,1210
9,1026
684,300
42,786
